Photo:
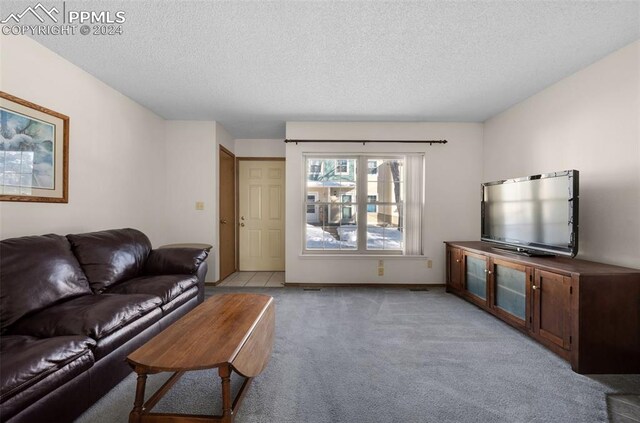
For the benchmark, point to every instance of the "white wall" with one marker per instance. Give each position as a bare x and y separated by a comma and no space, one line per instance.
192,172
452,209
223,138
191,175
260,148
589,121
116,157
128,167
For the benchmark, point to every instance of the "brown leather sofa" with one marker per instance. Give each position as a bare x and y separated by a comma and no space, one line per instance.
72,308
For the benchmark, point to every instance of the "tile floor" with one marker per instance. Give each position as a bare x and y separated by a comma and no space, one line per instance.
253,279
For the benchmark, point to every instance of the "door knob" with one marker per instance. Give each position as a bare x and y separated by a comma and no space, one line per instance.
223,221
489,272
458,261
534,287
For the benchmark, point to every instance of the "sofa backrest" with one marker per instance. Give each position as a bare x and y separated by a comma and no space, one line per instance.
35,272
109,257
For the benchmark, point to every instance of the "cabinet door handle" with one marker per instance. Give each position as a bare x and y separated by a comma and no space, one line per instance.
489,272
458,261
534,287
485,270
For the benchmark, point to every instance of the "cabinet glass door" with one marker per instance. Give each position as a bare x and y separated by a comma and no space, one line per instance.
511,287
475,276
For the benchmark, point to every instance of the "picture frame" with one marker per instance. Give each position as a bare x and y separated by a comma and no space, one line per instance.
34,152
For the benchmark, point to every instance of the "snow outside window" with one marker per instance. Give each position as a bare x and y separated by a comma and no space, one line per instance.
359,204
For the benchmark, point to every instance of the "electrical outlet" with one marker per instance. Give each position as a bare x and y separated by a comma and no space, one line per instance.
380,271
199,205
429,264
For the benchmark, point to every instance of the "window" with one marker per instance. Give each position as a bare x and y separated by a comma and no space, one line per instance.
315,167
342,167
371,199
372,167
362,206
311,208
347,209
385,226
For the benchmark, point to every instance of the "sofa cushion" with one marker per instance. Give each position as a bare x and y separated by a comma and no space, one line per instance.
167,287
180,300
108,257
95,316
124,334
27,360
36,272
52,380
168,261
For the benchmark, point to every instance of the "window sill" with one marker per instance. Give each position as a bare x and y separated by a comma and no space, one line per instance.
359,256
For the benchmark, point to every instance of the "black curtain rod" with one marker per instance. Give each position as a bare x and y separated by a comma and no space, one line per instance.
430,142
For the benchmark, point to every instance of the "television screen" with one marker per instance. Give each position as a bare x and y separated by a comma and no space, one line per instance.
537,213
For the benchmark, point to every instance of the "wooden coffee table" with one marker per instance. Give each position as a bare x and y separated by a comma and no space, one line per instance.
230,332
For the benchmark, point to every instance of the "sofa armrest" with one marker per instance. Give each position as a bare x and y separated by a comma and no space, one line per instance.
172,261
202,273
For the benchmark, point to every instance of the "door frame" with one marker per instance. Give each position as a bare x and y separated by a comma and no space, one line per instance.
248,159
222,149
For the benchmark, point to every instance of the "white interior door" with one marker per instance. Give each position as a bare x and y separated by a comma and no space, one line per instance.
261,209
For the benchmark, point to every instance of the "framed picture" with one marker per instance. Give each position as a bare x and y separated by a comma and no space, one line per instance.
34,152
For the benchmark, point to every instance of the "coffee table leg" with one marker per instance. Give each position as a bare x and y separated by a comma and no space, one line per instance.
134,416
225,375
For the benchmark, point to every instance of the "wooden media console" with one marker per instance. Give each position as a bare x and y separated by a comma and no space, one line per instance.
586,312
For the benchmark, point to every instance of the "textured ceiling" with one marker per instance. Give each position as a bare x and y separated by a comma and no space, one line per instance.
254,65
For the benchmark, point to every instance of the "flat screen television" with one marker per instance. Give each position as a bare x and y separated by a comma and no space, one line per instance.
533,215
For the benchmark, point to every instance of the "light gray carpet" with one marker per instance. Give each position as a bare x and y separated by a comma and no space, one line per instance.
391,355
